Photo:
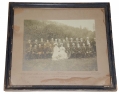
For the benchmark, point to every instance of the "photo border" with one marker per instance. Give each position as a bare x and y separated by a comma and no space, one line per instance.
106,6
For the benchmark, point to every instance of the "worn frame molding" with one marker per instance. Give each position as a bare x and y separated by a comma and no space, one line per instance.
106,6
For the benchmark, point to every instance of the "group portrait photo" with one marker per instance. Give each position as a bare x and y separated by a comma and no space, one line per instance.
59,45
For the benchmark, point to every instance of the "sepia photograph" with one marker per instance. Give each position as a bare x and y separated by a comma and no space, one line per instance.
59,45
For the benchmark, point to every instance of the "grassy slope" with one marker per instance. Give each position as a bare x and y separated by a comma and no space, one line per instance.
83,64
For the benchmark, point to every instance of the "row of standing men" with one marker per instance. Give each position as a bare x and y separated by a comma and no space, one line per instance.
78,48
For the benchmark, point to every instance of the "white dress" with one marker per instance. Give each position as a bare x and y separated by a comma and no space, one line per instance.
62,53
55,55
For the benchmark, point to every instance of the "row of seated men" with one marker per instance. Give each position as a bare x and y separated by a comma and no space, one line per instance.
74,48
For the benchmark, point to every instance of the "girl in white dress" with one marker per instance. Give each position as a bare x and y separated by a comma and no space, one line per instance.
56,50
62,53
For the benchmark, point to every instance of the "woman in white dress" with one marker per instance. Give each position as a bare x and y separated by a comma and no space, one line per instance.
62,53
56,50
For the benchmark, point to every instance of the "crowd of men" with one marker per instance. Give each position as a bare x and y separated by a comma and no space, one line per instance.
75,48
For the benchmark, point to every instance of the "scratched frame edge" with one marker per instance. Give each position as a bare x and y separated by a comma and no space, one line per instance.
106,6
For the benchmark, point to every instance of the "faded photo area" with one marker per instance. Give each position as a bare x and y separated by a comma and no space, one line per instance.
59,45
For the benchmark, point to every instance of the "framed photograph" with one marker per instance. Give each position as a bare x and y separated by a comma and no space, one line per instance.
66,46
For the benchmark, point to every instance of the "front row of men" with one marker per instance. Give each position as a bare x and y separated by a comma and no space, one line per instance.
74,51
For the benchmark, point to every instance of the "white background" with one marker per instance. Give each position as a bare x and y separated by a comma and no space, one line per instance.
3,37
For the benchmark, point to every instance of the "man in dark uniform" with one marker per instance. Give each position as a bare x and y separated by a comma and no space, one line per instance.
78,52
35,52
28,52
45,51
87,42
93,44
28,46
88,50
71,42
73,51
40,51
77,41
49,51
42,42
47,43
81,42
52,42
42,47
64,43
83,50
68,50
67,40
28,43
35,43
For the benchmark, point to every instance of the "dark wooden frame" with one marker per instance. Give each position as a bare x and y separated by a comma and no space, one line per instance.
106,6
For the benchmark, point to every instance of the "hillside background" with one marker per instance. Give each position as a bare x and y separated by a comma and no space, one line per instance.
34,29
